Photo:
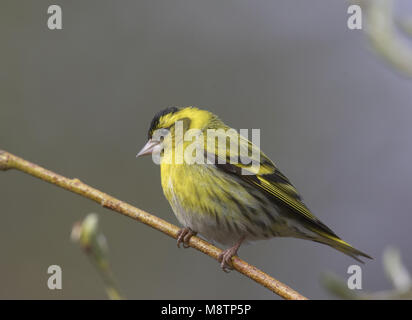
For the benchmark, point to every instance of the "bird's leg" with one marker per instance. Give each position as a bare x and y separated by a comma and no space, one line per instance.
184,236
226,256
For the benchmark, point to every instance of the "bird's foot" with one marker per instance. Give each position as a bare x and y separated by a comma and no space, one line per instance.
225,257
184,235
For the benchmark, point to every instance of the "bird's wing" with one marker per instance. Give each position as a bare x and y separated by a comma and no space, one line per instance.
247,162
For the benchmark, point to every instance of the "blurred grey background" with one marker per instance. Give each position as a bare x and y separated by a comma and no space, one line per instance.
333,116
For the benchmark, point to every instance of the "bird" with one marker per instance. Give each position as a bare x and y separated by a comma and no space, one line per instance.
229,192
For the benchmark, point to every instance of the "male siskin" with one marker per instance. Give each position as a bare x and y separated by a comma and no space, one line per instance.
221,197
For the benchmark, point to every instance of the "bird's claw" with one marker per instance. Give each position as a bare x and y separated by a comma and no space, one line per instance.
184,236
225,259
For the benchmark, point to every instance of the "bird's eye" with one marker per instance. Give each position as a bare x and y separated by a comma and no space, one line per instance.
160,134
164,132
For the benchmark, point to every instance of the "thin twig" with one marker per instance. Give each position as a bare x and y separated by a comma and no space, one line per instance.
93,242
10,161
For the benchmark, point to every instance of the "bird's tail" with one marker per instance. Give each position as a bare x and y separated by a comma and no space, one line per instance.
338,244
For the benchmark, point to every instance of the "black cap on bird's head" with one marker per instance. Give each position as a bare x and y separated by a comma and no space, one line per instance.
154,124
165,120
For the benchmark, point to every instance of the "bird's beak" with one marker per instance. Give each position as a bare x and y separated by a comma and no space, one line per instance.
148,148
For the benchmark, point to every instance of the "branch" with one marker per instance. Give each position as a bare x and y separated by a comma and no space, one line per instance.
93,242
382,33
10,161
395,271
